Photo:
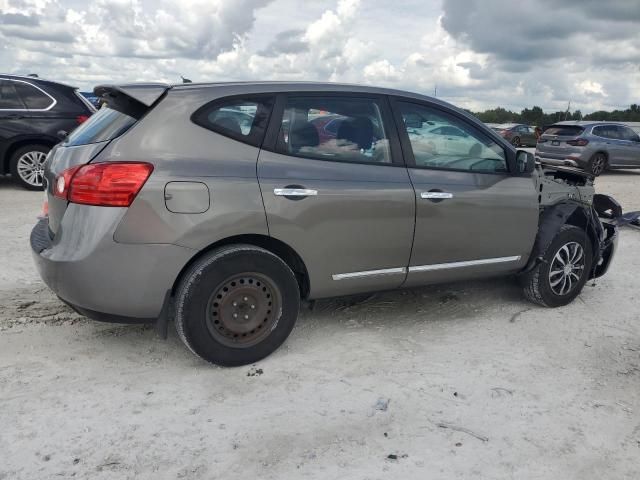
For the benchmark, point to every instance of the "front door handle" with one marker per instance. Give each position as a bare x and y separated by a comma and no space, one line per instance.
436,195
295,193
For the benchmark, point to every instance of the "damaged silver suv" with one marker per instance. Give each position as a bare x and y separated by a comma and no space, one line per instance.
223,206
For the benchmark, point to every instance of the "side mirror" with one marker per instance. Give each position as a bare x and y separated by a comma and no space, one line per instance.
62,135
525,162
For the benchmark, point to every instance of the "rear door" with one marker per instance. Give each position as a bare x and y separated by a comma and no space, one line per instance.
473,217
341,198
611,140
12,113
630,146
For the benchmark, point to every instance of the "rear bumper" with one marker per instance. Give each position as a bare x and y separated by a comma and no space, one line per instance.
562,162
99,277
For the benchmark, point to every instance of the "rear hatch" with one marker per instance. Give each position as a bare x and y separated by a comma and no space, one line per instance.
125,106
554,140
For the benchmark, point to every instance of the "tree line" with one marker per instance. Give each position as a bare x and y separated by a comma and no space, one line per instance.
535,116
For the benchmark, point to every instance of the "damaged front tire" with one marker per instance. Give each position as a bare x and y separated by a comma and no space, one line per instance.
563,270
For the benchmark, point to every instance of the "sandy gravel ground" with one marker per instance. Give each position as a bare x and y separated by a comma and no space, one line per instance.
457,381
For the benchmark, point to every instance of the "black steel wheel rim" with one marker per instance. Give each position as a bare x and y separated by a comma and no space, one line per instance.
567,268
243,310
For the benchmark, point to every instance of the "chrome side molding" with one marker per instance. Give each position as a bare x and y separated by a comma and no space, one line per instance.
468,263
369,273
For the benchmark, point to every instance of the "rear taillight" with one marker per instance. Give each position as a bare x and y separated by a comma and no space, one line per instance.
103,184
81,119
63,182
578,142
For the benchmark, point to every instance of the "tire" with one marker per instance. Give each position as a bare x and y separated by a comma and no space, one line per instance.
27,166
598,163
236,305
538,283
515,141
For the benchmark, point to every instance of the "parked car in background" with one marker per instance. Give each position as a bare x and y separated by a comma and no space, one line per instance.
34,115
518,134
163,206
592,146
91,97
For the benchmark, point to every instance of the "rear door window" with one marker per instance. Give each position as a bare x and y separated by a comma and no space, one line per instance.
357,132
244,119
105,124
629,134
34,98
9,98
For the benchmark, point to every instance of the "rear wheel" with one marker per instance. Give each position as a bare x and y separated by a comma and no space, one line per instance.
236,305
515,141
597,163
27,166
563,271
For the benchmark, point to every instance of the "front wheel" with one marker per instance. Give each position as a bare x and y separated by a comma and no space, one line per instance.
558,279
236,305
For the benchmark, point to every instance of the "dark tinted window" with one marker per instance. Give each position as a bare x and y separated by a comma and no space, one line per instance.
452,144
105,124
564,130
9,96
243,119
359,135
607,131
628,134
33,98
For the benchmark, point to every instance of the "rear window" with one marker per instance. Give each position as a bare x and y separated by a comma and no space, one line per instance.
564,130
105,124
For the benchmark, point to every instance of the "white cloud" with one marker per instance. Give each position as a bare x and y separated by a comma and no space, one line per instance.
476,54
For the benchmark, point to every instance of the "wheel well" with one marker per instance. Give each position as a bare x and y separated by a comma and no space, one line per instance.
6,167
580,218
277,247
604,152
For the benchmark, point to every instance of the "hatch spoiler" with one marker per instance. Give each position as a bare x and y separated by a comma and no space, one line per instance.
133,99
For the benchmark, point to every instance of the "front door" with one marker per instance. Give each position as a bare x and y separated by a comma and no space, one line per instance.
339,196
472,216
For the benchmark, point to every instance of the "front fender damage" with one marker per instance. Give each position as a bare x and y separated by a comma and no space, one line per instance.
568,197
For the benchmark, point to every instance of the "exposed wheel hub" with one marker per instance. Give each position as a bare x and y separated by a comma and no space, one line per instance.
243,309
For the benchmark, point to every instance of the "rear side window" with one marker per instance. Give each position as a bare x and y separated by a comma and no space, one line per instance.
241,118
105,124
607,131
34,98
9,98
564,130
356,132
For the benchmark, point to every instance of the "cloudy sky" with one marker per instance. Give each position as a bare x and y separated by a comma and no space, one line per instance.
479,53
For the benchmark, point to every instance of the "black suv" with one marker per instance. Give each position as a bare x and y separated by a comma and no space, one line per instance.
34,115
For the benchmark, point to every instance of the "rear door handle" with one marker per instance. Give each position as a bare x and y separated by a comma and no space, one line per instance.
294,193
436,195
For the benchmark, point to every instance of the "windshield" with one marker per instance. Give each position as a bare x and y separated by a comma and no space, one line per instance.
105,124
